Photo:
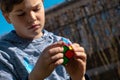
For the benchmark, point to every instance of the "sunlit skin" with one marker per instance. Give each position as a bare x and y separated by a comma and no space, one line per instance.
28,19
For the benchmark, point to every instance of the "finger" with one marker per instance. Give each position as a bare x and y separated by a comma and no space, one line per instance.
77,48
52,50
55,50
53,54
76,44
56,57
56,63
80,55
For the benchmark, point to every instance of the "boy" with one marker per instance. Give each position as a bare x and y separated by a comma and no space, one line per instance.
31,53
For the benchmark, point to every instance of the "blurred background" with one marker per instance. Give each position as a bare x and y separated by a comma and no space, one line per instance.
94,24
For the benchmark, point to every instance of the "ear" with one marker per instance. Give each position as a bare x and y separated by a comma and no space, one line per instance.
6,16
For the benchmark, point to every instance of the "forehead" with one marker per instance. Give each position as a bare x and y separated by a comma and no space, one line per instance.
26,4
29,3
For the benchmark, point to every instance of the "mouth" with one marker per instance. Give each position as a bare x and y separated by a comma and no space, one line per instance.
35,26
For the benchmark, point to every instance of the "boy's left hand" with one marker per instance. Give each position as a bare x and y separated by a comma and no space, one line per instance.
76,67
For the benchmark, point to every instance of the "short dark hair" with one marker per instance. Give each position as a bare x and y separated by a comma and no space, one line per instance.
7,5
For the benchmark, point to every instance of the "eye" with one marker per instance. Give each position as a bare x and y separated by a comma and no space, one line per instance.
37,9
21,14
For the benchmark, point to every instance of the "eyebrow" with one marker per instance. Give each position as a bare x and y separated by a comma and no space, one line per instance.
36,5
19,10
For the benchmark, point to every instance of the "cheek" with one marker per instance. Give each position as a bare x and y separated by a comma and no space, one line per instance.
14,19
19,22
41,18
42,15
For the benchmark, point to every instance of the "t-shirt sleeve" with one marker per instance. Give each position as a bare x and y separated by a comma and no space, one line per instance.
5,73
7,70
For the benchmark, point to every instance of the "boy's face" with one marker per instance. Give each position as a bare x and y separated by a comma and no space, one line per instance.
27,18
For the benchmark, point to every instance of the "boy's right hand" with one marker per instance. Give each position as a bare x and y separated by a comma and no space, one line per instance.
51,57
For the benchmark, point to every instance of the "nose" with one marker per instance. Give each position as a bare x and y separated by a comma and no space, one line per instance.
31,17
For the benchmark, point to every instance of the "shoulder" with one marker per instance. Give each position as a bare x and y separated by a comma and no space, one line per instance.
4,47
7,39
56,37
52,35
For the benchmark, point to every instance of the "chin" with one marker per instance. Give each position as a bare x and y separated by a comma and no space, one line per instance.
37,35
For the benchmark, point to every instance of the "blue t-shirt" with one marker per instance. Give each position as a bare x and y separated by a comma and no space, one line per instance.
18,56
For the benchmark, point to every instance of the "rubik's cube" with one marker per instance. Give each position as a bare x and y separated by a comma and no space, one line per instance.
68,54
